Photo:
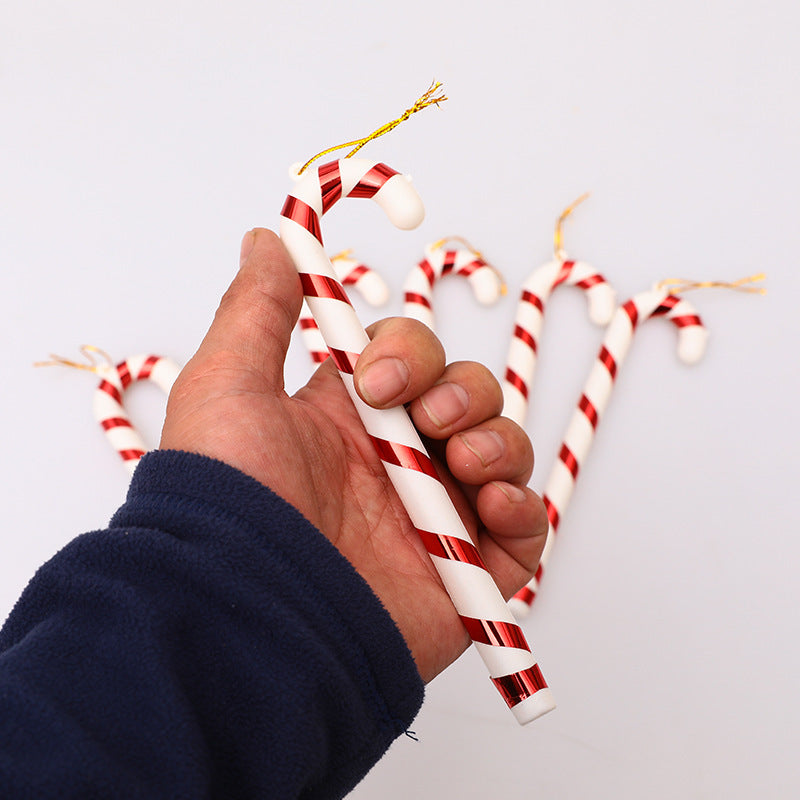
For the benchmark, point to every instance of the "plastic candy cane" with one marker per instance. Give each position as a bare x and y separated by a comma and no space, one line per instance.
692,336
350,272
488,619
108,406
522,353
486,282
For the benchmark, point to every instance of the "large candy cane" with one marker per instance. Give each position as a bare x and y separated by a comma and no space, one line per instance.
349,272
487,285
488,619
108,406
578,439
523,350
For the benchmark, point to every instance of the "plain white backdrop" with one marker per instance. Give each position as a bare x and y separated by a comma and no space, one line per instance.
139,140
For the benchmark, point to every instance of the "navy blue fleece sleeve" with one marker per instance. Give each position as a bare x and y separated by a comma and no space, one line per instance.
210,643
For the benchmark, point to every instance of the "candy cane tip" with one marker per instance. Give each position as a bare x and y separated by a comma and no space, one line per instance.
692,344
533,707
602,304
294,171
401,203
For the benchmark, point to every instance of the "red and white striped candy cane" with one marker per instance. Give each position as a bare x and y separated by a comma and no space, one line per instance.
487,285
578,439
490,623
109,409
350,272
523,350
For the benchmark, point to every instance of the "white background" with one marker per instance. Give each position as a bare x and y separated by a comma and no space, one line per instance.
139,140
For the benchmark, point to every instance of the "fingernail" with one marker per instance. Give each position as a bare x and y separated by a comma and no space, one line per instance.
248,240
383,381
487,445
445,403
513,493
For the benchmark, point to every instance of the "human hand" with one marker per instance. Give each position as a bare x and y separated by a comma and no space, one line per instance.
311,449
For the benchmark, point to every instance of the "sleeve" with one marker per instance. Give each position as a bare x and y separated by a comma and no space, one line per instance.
210,643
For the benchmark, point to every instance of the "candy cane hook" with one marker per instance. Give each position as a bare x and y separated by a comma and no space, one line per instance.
692,336
523,349
487,284
489,621
350,272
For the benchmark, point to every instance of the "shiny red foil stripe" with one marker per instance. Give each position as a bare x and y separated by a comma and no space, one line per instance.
633,315
305,216
147,367
521,685
131,455
517,382
590,412
307,323
115,422
686,321
468,269
420,300
449,262
124,374
495,633
345,362
372,182
451,548
570,462
402,455
588,283
330,184
317,356
355,275
323,286
525,595
564,272
552,512
607,360
525,336
427,269
110,390
534,300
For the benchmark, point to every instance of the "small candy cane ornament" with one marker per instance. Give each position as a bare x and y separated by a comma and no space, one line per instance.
523,350
109,409
487,284
487,617
350,272
692,336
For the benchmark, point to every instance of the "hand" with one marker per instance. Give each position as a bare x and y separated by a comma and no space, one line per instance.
229,403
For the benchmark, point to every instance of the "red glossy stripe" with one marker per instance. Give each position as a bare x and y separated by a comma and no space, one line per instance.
563,273
633,315
468,269
525,595
308,323
426,267
521,685
569,461
419,299
330,184
124,374
354,276
131,455
588,283
110,390
323,286
305,216
585,405
372,182
402,455
115,422
147,367
534,300
517,382
451,548
525,336
686,321
345,362
495,633
552,512
449,262
317,356
607,360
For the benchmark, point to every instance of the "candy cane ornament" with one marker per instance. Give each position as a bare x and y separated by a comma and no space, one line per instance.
692,337
350,272
488,619
487,284
524,346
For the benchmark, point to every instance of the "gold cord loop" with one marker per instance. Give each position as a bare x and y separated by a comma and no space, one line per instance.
558,235
429,98
679,285
88,351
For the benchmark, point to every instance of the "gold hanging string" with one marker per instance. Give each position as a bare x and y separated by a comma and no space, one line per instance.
88,351
438,245
679,285
342,254
429,98
558,235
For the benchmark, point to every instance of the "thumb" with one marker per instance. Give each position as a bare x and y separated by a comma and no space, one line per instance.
254,322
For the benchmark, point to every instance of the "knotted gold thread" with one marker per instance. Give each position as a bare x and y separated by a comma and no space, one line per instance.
429,98
680,285
88,351
558,235
437,245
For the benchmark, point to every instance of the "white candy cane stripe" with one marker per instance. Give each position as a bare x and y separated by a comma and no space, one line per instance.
438,262
497,637
350,272
523,350
580,433
109,409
